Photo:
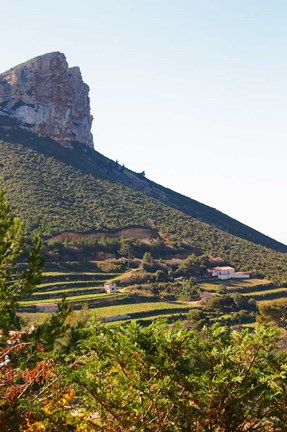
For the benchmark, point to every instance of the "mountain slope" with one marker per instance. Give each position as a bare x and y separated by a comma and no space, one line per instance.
91,162
59,189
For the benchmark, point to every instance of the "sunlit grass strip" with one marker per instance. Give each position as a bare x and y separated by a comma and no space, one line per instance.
68,299
266,292
38,318
79,282
127,309
67,291
282,301
149,318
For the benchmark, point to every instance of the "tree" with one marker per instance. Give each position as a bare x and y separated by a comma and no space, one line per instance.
193,265
147,257
126,248
20,266
188,290
197,318
273,312
26,363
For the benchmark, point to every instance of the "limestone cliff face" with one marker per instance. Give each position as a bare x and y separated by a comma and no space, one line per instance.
48,98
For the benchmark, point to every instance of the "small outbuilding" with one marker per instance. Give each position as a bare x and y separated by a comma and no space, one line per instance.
227,272
222,271
110,287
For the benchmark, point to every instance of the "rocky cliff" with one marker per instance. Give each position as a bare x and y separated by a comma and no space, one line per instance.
48,98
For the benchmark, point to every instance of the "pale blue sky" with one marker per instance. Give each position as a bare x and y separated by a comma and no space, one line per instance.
193,92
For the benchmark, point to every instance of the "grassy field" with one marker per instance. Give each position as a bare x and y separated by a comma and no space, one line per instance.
131,309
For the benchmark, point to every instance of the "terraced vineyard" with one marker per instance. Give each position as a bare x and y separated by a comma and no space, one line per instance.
77,287
87,288
259,289
83,284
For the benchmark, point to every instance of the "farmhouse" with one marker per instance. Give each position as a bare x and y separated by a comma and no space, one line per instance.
227,273
110,287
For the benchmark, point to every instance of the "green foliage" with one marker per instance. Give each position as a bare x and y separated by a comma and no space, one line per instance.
170,378
197,319
194,265
188,290
135,277
24,366
240,317
230,302
274,312
51,330
147,257
20,267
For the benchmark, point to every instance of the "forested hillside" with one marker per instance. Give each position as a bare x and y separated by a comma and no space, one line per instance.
50,193
90,162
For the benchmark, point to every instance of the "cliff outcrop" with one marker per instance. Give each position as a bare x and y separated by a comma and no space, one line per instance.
49,98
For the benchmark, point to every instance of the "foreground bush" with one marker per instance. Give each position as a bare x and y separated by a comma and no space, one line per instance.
162,378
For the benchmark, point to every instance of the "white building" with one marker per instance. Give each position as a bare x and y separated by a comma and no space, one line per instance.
110,287
227,273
